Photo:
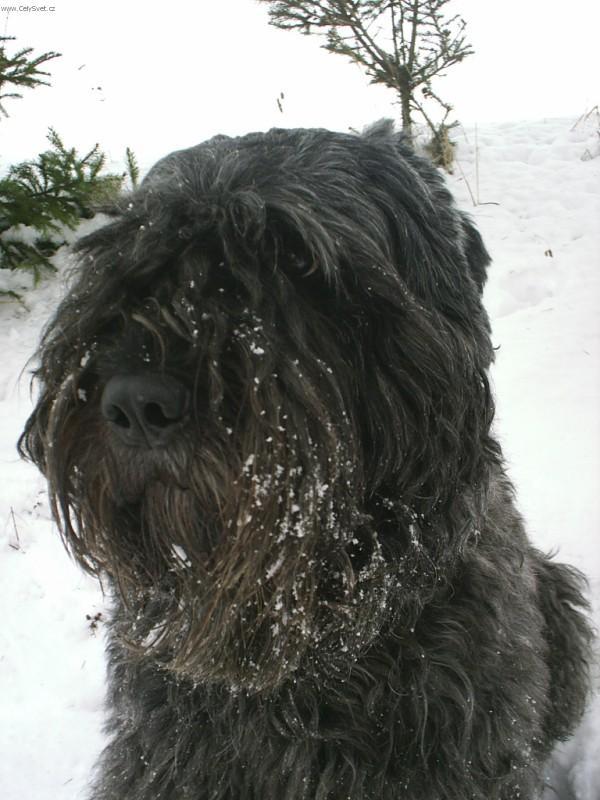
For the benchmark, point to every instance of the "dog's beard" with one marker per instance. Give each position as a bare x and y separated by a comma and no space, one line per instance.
229,568
244,589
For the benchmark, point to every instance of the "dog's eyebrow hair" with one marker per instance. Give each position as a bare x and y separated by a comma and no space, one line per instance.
150,326
173,323
289,481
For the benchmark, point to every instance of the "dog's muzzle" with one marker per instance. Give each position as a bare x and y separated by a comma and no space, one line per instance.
145,410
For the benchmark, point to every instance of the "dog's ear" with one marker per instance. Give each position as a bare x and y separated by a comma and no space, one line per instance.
474,250
477,256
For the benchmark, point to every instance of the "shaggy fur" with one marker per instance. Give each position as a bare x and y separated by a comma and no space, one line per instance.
323,590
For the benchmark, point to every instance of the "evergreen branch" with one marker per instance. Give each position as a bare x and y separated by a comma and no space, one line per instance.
424,41
21,70
133,170
53,192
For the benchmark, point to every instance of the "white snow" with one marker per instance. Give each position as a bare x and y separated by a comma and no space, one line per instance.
539,189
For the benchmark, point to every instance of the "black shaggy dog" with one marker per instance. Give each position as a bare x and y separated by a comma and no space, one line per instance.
264,416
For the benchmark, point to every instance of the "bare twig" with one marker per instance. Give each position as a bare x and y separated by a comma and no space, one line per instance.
476,165
421,45
468,185
16,546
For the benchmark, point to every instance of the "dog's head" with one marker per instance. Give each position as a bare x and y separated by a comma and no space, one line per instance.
265,396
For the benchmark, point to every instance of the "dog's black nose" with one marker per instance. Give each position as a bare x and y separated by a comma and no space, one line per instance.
145,410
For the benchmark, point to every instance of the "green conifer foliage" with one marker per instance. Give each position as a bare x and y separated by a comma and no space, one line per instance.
20,70
47,197
44,198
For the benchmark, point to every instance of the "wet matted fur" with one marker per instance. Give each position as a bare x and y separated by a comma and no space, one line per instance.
323,590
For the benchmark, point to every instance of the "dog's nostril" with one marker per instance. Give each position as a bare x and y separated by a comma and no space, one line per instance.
145,410
117,417
154,415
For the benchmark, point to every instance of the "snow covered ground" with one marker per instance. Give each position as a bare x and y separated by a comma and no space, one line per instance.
539,193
